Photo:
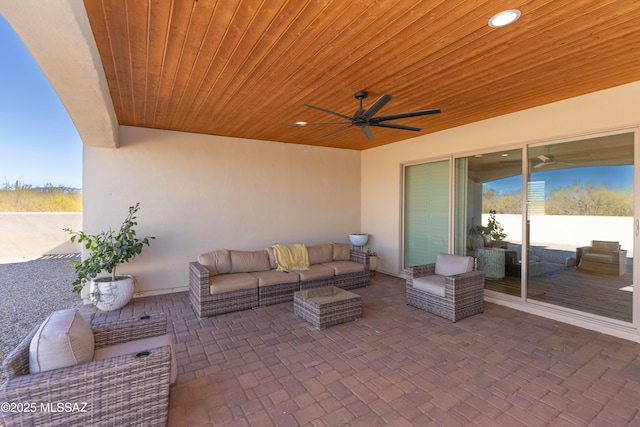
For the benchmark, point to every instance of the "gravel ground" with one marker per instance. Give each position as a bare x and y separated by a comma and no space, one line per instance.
29,292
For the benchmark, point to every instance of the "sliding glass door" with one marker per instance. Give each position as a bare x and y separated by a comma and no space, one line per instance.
569,243
580,225
488,216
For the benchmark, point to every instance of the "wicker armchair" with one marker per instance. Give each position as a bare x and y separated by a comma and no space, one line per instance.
132,389
452,296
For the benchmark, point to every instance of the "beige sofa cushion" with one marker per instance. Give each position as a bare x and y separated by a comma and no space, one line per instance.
64,339
316,271
217,262
232,282
137,346
345,267
341,252
248,261
320,253
274,277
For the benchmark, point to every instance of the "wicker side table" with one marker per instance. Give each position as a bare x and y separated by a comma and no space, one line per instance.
491,261
327,306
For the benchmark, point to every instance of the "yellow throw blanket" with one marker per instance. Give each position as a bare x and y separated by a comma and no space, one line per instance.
291,257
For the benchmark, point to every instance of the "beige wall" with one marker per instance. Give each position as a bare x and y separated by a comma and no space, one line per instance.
199,193
27,234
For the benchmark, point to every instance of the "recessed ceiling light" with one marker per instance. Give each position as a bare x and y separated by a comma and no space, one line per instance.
504,18
505,154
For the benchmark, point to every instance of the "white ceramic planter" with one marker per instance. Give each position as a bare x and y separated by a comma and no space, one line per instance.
358,240
110,296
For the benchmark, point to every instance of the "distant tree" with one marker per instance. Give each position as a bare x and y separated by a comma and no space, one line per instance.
575,199
509,202
590,199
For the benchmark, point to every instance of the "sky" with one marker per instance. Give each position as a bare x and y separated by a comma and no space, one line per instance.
614,177
38,142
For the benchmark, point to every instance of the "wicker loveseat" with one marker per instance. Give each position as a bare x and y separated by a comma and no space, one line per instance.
449,288
604,257
115,388
225,280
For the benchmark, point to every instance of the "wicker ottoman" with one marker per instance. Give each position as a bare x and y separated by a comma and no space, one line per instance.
327,306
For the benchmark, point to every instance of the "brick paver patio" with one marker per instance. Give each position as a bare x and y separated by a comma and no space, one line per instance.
396,366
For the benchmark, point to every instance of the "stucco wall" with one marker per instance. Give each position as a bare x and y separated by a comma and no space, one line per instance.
199,193
35,234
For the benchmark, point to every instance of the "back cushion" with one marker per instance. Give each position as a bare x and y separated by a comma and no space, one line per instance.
248,261
320,253
448,265
341,252
64,339
604,247
217,262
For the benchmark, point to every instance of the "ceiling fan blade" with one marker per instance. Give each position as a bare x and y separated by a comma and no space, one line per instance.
381,102
328,111
405,115
335,131
367,131
395,126
302,124
544,158
358,114
542,164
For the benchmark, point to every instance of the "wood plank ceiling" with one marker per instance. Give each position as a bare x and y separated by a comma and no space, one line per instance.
245,68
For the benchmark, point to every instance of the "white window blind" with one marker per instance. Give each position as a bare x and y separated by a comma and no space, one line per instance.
426,212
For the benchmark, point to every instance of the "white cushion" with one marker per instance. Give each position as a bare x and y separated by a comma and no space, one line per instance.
433,284
449,265
137,346
64,339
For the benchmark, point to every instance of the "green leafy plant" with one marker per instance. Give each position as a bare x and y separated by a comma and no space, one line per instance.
493,227
108,249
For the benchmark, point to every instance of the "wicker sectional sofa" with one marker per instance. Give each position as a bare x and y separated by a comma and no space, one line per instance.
226,280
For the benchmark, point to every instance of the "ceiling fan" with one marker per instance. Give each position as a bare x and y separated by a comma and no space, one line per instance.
549,160
365,118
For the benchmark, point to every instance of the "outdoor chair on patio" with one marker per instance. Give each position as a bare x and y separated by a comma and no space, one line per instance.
449,288
67,372
603,257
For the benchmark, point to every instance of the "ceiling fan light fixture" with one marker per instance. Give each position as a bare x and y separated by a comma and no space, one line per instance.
504,18
301,123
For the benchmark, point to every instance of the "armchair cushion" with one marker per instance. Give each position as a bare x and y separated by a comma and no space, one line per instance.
449,265
64,339
139,346
434,284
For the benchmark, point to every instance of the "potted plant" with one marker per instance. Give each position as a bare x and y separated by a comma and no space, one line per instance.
493,231
108,249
